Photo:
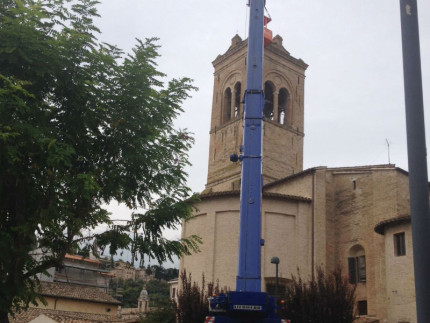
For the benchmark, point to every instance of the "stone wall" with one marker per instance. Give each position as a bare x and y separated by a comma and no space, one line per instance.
400,288
285,229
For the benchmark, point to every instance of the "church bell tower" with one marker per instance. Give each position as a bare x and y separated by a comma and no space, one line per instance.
283,85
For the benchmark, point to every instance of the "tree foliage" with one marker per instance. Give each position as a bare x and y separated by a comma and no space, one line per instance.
160,272
158,292
160,315
130,291
327,298
82,124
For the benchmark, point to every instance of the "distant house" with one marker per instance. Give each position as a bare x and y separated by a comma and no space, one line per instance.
141,274
78,270
83,271
73,303
174,285
124,270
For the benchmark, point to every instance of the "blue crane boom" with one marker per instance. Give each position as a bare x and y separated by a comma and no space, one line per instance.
248,303
248,277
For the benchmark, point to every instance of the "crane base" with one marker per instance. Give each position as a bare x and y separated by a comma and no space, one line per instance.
243,307
225,319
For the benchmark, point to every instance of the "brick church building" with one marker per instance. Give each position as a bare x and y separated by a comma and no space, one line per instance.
353,217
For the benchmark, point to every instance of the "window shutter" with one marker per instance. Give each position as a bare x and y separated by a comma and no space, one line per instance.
362,307
361,268
352,271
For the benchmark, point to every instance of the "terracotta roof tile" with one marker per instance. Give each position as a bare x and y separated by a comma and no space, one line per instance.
380,227
221,194
70,291
68,317
81,258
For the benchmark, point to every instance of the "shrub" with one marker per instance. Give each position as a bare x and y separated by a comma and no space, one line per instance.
193,305
324,299
161,315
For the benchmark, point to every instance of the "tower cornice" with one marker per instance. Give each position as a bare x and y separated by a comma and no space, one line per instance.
275,48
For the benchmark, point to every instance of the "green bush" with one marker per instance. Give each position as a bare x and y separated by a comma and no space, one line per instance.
324,299
193,305
161,315
159,293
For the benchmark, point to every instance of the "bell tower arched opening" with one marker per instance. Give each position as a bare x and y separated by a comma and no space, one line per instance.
284,113
268,100
226,116
237,93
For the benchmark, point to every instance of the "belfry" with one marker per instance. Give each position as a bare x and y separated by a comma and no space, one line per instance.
284,78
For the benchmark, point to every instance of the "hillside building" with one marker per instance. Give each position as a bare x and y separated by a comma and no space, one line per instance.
124,270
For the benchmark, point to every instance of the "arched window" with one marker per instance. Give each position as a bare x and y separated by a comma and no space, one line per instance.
268,100
283,109
227,106
237,92
357,264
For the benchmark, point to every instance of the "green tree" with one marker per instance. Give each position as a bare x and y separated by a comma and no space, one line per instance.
130,292
159,293
160,272
82,124
171,273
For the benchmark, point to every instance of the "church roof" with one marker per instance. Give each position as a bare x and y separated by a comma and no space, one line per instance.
221,194
288,178
381,226
336,169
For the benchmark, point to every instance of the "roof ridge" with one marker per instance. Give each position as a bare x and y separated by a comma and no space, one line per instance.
265,194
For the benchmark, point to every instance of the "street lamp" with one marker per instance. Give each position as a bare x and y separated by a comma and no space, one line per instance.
275,260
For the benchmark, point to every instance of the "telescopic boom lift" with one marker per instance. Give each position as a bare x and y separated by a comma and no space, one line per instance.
248,303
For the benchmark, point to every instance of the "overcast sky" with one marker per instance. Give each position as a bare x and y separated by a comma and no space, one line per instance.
354,97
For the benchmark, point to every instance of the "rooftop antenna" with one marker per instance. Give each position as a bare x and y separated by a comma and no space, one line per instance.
388,146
